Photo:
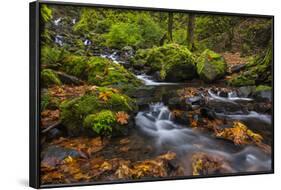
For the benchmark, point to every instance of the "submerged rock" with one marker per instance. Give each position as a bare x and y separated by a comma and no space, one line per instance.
211,66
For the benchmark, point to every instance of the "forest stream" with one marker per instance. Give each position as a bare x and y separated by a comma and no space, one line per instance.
155,132
137,95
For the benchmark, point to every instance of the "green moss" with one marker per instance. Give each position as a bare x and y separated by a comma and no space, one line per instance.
46,13
73,112
210,66
257,71
76,65
48,78
48,102
263,88
99,71
175,62
52,57
101,122
242,81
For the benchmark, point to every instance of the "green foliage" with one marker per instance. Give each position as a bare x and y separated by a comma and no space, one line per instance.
99,71
48,102
210,66
101,122
256,72
52,56
46,13
123,34
48,78
263,88
76,65
256,35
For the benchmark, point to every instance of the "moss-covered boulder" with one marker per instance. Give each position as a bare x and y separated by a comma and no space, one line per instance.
100,71
173,62
75,111
256,72
211,66
49,77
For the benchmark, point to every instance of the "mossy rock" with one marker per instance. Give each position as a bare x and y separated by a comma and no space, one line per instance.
73,112
174,62
100,71
49,77
211,66
256,72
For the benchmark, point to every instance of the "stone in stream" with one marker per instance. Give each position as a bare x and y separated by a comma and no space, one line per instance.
54,155
183,118
206,112
246,91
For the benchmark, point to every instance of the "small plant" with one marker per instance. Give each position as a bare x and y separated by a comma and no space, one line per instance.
101,123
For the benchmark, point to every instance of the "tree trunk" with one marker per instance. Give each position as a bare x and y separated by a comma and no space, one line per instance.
170,27
190,31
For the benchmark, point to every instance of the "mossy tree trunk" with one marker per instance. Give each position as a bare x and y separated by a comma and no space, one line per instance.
170,26
190,31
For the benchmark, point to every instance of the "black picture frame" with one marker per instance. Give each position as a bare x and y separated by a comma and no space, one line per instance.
34,91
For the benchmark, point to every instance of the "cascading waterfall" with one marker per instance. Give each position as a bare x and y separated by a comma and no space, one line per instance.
156,123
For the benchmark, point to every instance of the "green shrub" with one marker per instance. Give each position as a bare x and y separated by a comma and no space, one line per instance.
101,122
52,56
123,34
48,102
46,13
48,77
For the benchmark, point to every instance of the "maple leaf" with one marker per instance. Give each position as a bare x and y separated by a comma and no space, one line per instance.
104,96
122,117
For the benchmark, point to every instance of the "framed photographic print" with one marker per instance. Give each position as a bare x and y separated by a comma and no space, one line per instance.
131,94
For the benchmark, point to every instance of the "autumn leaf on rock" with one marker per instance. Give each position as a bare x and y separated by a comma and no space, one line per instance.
104,96
122,117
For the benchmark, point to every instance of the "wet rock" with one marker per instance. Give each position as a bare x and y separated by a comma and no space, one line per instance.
205,164
264,95
177,103
54,133
53,155
182,118
208,113
68,79
210,66
237,68
223,94
246,91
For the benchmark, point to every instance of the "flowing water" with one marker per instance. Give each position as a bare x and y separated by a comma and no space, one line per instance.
154,127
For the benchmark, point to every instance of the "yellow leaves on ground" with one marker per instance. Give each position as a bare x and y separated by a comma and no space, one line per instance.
148,168
122,117
204,164
187,93
86,146
240,134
